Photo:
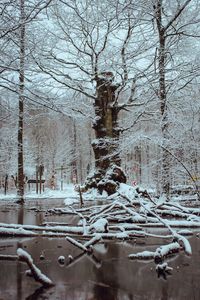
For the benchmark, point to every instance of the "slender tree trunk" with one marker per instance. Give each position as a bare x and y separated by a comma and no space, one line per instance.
74,171
165,177
164,113
21,105
138,160
162,32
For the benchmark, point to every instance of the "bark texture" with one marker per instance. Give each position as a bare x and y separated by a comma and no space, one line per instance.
108,173
21,106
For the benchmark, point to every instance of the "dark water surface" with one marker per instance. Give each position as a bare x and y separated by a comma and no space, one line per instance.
106,275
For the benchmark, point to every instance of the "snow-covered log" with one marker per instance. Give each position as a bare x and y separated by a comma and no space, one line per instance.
184,243
16,232
8,257
102,212
36,273
101,225
29,229
77,244
159,254
93,241
165,250
142,255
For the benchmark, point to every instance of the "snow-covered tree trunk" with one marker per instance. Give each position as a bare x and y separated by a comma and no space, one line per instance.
21,104
165,159
105,146
163,34
165,179
107,133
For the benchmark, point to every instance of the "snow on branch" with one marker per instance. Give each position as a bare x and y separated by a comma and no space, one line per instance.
77,244
159,254
35,272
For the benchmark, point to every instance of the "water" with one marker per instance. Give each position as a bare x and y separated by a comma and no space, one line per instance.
106,275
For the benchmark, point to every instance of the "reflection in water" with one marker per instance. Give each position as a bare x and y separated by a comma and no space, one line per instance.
37,293
19,245
164,291
105,275
39,218
20,218
104,290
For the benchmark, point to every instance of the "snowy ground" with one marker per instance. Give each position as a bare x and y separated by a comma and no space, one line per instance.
68,191
70,195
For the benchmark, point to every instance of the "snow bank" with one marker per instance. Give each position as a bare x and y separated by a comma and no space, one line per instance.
68,192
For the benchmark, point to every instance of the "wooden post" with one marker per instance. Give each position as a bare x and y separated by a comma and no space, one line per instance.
61,176
41,171
6,184
80,195
36,179
40,178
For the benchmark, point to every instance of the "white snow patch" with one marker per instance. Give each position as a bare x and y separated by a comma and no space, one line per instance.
93,194
70,201
16,232
185,243
127,190
68,191
143,255
163,267
185,232
164,250
99,226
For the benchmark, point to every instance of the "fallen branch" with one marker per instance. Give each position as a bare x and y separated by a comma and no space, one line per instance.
159,254
93,241
77,244
8,257
35,272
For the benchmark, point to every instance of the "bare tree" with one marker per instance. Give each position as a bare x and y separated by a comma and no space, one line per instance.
15,17
95,59
164,32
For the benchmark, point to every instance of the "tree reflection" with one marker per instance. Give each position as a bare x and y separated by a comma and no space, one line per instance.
20,220
37,293
107,277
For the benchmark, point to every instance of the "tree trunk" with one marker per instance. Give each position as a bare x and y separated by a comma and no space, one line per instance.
163,34
106,143
21,106
74,171
165,174
105,146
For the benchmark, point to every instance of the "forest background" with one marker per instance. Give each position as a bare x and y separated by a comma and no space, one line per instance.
57,59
